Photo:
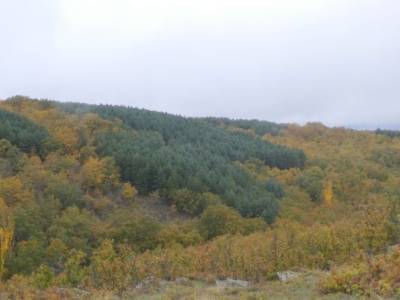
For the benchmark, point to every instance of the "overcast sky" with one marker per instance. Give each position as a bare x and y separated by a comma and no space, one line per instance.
335,61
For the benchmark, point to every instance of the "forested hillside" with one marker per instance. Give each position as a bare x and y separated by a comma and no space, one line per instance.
183,157
102,197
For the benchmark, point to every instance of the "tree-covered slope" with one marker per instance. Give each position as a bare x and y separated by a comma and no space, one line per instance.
203,133
257,127
169,153
25,134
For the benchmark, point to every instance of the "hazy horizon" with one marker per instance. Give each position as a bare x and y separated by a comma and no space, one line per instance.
332,61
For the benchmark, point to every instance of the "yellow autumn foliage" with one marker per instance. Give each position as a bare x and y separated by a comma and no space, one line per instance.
328,194
128,192
6,234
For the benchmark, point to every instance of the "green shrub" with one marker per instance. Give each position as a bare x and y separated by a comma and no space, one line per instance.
43,277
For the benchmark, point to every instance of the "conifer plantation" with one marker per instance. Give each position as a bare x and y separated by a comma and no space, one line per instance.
102,201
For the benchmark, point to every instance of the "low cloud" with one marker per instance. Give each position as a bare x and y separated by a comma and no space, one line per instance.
292,61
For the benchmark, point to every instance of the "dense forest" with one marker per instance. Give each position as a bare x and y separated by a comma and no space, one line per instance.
102,197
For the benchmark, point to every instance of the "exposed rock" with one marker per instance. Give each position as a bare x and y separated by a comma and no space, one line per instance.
287,275
148,283
152,282
232,283
393,248
163,282
181,280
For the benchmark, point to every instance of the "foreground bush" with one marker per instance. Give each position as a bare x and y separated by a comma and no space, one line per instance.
380,274
286,246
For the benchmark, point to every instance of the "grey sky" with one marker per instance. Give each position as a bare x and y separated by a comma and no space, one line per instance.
335,61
